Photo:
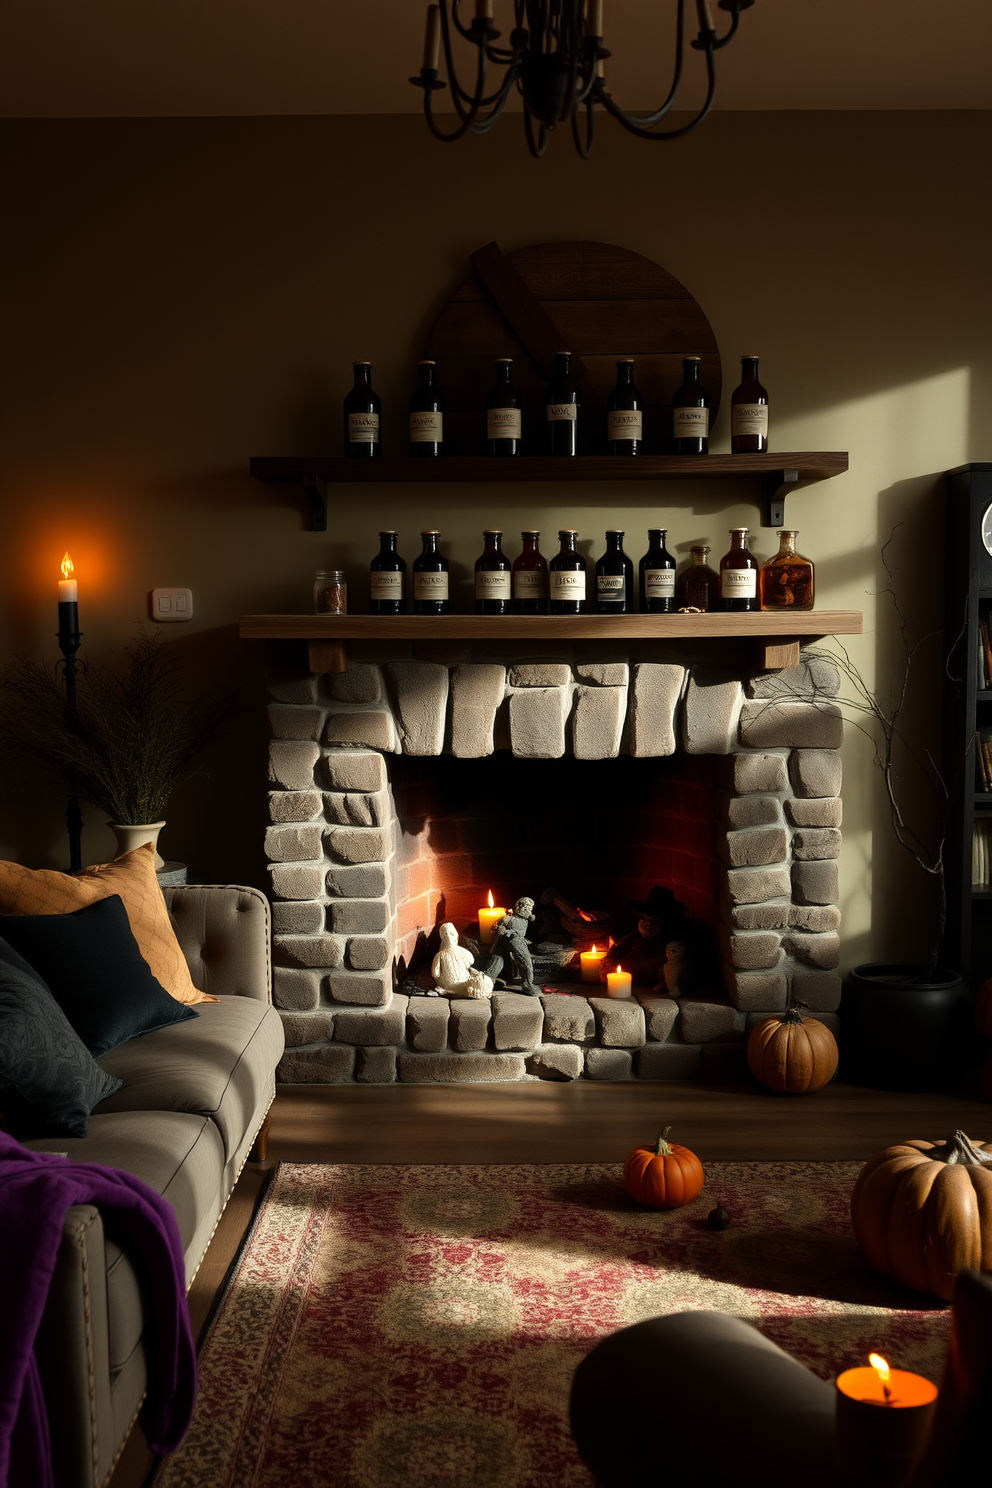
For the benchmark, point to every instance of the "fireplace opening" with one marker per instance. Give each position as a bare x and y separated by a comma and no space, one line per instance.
602,834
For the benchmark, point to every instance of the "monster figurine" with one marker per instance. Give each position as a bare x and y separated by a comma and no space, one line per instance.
510,945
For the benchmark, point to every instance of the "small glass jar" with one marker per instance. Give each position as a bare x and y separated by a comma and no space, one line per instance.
786,580
330,592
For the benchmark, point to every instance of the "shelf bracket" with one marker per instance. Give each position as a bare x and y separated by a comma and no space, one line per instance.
315,487
779,486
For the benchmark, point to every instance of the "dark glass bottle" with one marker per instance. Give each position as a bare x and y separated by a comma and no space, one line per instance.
504,430
748,412
698,586
567,577
786,581
625,413
362,411
739,574
430,579
614,578
387,579
530,578
493,577
426,416
690,412
656,573
563,407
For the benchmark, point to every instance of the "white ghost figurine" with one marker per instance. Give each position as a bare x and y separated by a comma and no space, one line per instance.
453,968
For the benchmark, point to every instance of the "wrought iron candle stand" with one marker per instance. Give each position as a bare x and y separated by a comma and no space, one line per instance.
69,637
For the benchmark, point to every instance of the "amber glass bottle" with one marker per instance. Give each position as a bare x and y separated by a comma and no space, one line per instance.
786,581
739,574
698,586
567,577
493,593
748,412
530,578
690,412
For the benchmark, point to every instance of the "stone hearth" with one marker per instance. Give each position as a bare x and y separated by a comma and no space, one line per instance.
357,887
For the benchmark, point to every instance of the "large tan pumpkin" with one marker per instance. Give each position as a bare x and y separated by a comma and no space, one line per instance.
792,1054
922,1212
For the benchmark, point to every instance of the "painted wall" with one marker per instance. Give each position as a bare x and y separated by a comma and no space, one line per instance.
181,294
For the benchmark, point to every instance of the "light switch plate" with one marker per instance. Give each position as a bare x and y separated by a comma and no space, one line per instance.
172,604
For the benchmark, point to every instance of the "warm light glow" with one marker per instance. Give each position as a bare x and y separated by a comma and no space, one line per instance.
880,1367
619,971
594,950
67,565
490,898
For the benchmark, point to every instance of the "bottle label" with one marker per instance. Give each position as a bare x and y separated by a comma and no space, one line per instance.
385,586
530,583
562,413
569,583
691,423
363,428
610,586
503,423
430,585
738,583
659,583
624,423
749,418
427,428
492,584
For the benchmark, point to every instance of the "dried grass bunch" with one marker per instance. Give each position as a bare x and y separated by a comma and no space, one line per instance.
133,735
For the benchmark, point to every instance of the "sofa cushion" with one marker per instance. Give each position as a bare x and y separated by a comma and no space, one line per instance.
49,1080
220,1066
98,976
27,891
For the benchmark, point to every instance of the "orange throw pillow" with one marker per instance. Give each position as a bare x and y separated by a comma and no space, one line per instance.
44,891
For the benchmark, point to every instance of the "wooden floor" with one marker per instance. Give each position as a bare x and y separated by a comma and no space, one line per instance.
557,1123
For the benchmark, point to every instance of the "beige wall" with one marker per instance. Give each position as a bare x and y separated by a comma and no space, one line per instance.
182,294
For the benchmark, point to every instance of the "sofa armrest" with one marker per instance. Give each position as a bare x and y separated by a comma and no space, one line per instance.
225,934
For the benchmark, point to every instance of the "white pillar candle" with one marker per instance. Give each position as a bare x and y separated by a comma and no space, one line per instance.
618,983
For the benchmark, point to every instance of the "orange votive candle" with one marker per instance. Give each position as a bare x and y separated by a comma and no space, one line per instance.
591,962
618,983
881,1420
487,919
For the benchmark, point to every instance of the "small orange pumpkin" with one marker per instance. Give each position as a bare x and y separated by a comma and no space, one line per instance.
663,1177
922,1212
792,1054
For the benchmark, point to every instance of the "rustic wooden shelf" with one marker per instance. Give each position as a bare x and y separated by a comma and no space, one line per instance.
776,632
780,472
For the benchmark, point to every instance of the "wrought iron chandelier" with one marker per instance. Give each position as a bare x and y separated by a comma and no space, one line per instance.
556,60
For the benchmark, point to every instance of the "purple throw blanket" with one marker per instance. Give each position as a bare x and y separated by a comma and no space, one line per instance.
36,1191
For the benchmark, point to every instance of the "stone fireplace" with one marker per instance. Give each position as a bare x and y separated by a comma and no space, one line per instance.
404,787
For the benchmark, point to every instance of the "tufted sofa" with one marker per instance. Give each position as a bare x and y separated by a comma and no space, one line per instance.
195,1098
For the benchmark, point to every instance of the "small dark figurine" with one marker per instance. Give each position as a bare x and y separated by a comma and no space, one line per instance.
509,944
718,1218
645,952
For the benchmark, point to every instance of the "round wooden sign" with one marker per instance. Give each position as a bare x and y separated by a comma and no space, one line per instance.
604,302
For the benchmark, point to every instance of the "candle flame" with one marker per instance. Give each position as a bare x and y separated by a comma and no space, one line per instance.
611,941
594,950
490,898
67,565
619,968
880,1367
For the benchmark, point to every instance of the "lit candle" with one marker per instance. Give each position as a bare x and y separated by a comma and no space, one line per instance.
594,22
618,983
483,10
881,1420
488,918
432,38
67,587
705,19
590,964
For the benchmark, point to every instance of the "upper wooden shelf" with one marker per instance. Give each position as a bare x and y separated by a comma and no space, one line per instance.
780,472
776,633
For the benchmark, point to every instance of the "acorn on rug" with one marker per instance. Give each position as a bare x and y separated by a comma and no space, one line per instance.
394,1325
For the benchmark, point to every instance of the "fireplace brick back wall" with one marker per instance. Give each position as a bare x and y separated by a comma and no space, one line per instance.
390,807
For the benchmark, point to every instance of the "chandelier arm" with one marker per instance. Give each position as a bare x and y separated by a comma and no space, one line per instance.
635,126
460,98
649,120
584,147
483,126
573,93
462,30
446,139
734,23
536,147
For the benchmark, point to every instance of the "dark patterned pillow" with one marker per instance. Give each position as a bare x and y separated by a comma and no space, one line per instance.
49,1081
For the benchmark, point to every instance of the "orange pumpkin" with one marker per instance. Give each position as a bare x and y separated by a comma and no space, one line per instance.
664,1176
922,1212
792,1054
983,1008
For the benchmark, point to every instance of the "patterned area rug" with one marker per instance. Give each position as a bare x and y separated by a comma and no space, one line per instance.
419,1326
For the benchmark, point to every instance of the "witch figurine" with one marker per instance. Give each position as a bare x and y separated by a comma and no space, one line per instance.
510,945
663,921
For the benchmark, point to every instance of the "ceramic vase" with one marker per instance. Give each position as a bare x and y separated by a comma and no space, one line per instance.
128,838
901,1029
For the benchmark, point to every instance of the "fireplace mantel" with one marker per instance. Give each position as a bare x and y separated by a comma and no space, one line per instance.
777,634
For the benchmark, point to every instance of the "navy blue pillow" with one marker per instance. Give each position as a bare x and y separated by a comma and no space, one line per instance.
97,975
49,1081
